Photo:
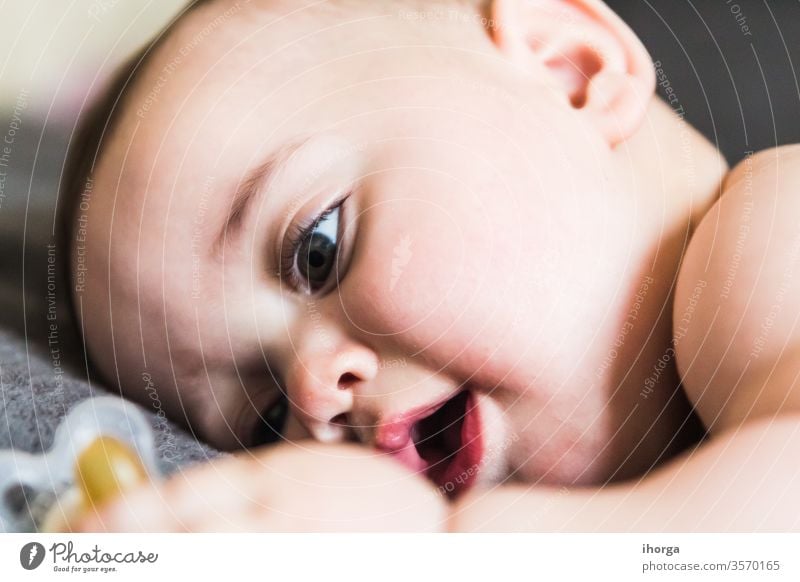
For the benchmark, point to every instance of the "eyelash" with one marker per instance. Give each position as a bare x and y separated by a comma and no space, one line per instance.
296,234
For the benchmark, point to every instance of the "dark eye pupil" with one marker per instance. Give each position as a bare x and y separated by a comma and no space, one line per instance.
316,259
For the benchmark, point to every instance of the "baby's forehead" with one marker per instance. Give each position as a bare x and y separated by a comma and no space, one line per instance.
201,89
225,33
195,121
236,79
226,42
220,63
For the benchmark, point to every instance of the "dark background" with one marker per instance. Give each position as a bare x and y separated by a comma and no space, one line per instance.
740,90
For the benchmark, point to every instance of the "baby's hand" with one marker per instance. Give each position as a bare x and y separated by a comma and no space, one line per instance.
303,486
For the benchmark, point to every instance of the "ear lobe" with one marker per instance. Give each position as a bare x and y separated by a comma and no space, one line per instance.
589,54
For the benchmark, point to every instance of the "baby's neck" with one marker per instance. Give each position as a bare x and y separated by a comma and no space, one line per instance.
675,174
668,149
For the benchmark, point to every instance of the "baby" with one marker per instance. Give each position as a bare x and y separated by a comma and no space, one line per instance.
456,232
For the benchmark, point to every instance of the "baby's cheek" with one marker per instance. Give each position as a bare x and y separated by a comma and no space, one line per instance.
426,282
410,270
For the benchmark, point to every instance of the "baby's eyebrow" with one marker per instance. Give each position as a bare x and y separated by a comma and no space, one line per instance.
247,190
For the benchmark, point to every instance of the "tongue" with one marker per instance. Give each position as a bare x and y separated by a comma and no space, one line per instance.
449,442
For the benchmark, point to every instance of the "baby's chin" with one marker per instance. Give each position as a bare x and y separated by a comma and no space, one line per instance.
563,454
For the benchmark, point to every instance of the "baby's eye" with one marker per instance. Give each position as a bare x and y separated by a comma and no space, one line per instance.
316,252
272,422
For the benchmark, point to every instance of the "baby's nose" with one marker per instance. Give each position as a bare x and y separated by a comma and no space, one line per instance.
322,390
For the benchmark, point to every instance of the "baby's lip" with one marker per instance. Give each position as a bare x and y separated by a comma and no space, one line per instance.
443,440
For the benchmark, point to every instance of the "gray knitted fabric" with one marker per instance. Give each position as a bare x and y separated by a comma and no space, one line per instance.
36,393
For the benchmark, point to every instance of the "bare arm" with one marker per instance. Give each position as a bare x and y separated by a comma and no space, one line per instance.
737,305
743,480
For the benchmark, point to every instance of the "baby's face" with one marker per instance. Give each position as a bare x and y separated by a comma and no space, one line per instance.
321,225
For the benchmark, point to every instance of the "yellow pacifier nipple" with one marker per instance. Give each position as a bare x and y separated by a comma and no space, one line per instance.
106,468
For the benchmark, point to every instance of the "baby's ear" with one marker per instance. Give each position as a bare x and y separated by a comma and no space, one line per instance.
592,56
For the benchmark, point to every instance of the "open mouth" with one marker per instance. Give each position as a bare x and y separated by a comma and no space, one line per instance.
446,444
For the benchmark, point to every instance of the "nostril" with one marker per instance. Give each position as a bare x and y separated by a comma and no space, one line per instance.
343,420
340,419
347,380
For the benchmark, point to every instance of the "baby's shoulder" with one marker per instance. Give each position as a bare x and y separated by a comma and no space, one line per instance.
735,315
775,166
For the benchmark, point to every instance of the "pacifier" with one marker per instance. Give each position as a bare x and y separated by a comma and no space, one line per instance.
103,447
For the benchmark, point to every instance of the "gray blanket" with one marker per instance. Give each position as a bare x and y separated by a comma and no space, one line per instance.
37,391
